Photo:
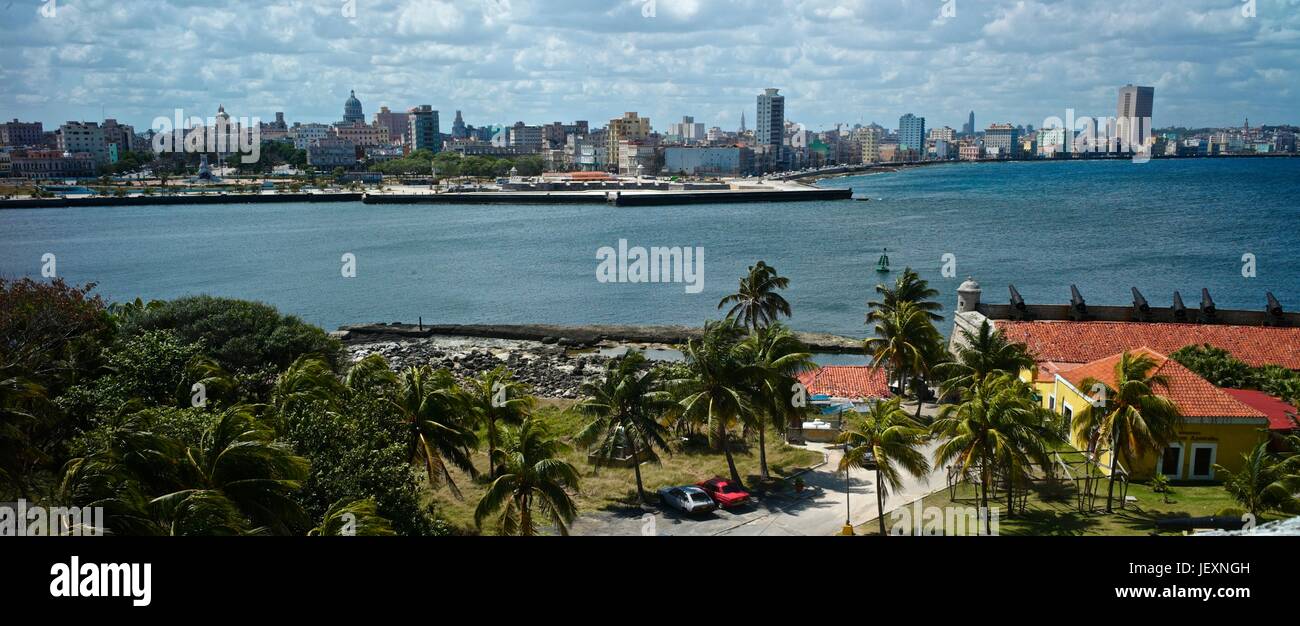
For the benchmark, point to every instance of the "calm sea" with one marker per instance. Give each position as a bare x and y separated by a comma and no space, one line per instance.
1105,226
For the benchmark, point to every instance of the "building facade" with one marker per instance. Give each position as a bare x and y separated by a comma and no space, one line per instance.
770,129
911,133
329,153
735,161
21,134
630,127
1002,141
84,137
424,133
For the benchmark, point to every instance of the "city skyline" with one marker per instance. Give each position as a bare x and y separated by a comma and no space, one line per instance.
501,61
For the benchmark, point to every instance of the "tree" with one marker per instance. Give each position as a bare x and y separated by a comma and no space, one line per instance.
358,518
1214,364
493,398
909,287
433,413
885,439
1266,481
982,354
757,304
307,379
997,426
1130,416
532,475
778,358
625,407
716,391
905,344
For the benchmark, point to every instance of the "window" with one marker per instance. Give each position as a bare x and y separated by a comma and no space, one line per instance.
1203,460
1051,403
1171,463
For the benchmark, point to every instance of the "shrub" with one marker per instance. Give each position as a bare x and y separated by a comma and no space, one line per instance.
1215,365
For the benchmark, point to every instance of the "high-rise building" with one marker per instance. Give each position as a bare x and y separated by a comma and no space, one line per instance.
1133,113
527,138
352,113
87,137
771,118
1002,140
424,133
687,130
398,124
458,127
629,127
911,133
18,133
969,127
868,140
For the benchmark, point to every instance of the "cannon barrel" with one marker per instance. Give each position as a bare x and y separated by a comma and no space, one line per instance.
1017,302
1076,300
1180,309
1207,303
1274,307
1139,302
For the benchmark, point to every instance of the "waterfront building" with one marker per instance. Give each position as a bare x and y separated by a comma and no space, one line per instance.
380,154
423,131
275,131
630,127
84,137
329,153
636,157
944,133
911,133
397,124
1002,141
529,139
970,152
352,113
487,149
868,140
717,161
47,164
118,139
6,164
1133,113
21,134
771,119
303,134
556,135
1052,141
364,135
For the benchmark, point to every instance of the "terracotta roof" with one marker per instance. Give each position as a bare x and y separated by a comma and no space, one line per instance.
846,381
1083,342
1281,416
1047,370
1194,396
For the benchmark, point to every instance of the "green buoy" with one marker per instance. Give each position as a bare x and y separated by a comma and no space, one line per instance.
882,266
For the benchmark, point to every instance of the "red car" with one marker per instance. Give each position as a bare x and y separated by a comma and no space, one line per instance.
726,493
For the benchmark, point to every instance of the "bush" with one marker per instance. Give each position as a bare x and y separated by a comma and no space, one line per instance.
51,330
1215,365
242,336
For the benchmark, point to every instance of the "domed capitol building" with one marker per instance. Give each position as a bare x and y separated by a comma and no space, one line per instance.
352,113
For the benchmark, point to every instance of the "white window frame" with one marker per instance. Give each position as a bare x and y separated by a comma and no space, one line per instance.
1191,466
1182,461
1051,403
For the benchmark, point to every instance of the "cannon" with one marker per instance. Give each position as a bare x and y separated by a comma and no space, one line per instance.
1078,307
1017,302
1180,309
1208,310
1276,315
1217,522
1140,304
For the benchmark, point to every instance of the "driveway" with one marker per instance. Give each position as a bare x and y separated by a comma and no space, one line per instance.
818,511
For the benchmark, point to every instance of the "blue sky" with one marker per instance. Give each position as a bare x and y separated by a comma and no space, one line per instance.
499,61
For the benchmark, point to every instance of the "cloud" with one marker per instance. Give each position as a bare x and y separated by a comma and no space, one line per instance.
545,60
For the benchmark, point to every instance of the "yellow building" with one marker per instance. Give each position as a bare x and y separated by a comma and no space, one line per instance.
627,128
1217,427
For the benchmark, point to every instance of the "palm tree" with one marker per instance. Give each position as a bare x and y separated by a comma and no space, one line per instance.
757,304
885,439
981,354
532,475
625,407
717,389
997,426
494,398
1265,481
905,343
18,397
432,410
371,372
308,379
779,357
1130,417
908,287
358,518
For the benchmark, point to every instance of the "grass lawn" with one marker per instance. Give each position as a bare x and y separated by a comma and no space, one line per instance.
1052,510
612,487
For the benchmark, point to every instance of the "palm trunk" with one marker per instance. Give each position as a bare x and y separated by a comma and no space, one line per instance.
636,468
1110,488
984,499
492,447
762,452
525,517
880,504
731,462
1011,499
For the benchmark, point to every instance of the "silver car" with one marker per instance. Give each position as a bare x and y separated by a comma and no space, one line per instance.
687,499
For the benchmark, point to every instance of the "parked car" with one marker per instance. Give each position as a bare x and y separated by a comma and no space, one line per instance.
687,499
726,493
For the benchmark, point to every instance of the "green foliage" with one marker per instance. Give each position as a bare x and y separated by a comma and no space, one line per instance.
1266,481
534,481
244,337
149,368
1215,365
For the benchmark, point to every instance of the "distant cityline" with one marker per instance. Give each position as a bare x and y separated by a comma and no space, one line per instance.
626,145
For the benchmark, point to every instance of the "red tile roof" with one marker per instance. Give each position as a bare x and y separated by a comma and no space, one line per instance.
1194,396
1047,370
1083,342
1281,416
846,381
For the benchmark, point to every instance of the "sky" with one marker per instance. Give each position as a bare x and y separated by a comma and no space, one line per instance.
1212,62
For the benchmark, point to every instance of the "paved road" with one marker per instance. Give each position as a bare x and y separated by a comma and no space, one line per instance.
819,511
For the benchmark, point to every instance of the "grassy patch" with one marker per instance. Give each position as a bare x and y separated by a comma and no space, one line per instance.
611,487
1051,509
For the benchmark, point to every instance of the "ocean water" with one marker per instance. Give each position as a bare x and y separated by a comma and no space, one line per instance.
1105,226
